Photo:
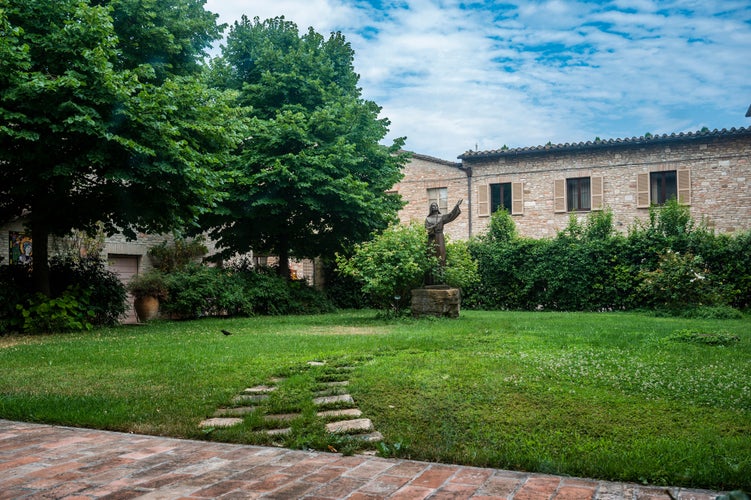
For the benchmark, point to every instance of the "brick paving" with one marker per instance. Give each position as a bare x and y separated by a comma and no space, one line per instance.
43,461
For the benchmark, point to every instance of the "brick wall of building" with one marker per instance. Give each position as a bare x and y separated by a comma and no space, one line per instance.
424,173
719,164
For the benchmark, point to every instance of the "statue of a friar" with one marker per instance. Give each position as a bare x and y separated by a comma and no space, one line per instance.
434,223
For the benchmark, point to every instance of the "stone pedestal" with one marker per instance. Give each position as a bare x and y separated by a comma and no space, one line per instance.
436,300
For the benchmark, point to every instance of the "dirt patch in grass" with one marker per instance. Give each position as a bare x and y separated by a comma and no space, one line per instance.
347,330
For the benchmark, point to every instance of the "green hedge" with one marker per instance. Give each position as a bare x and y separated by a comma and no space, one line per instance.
668,262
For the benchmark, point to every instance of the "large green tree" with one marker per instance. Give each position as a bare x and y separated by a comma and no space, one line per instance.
313,177
88,133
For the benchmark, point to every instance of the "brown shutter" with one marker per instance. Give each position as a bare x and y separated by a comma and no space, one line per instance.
559,195
642,190
596,191
517,198
483,200
684,186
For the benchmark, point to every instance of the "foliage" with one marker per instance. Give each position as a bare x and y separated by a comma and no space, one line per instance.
68,312
668,262
197,291
88,127
390,265
461,269
719,338
680,281
313,178
106,299
78,283
171,256
149,284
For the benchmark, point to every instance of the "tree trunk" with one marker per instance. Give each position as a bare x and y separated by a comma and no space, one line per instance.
284,262
40,270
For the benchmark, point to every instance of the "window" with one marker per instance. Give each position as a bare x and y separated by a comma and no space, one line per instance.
656,188
500,197
508,195
439,196
662,187
578,194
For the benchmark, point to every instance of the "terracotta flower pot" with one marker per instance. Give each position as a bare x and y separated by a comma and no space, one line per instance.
147,308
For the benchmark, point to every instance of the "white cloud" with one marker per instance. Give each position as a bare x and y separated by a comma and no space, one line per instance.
449,77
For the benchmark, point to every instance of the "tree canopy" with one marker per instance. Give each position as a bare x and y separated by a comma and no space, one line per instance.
93,129
313,178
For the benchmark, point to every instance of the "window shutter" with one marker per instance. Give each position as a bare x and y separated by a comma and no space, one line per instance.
517,198
596,193
559,195
684,186
483,200
642,190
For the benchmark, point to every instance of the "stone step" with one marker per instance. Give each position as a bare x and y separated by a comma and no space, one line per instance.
281,417
221,422
372,437
278,432
260,389
234,412
350,426
351,412
250,398
327,400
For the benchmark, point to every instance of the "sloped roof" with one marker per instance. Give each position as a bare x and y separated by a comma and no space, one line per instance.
633,141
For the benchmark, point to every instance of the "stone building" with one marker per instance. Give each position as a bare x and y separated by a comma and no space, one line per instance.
709,171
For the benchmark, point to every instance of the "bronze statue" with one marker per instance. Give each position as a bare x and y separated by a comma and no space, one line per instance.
434,224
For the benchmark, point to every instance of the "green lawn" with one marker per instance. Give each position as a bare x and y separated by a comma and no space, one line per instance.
613,396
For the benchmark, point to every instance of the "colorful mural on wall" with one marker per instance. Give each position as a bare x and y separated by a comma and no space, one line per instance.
19,248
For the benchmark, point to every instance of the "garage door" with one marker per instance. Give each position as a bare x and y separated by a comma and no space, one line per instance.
125,266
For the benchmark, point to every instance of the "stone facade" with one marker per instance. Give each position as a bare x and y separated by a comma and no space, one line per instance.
424,173
714,170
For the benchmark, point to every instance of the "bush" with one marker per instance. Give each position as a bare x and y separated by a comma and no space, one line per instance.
390,266
85,280
668,262
106,293
69,312
197,291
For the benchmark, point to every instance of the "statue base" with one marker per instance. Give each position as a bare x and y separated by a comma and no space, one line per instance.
436,300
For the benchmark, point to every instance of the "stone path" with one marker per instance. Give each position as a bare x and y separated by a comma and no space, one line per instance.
43,461
336,407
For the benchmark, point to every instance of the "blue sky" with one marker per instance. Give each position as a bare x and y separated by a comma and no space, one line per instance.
455,75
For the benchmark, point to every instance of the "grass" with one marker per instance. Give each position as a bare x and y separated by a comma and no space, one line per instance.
615,396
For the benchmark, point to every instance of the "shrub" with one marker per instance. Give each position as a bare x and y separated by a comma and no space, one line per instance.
198,291
149,284
106,293
390,265
178,254
680,281
86,280
68,312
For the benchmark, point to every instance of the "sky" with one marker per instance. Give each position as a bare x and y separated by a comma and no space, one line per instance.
454,76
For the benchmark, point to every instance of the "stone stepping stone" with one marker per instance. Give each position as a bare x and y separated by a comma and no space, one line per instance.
220,422
341,383
326,400
352,412
234,412
316,363
372,437
350,426
278,432
260,389
281,417
250,398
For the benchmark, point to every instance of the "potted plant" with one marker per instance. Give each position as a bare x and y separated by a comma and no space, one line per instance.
147,289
